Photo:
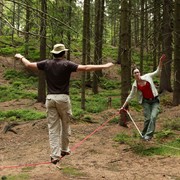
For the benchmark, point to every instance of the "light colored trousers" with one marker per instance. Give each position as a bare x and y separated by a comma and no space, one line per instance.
59,114
151,111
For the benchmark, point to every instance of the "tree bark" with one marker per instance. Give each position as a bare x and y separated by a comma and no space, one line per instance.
86,13
165,80
125,55
98,41
1,13
42,82
142,37
27,27
176,92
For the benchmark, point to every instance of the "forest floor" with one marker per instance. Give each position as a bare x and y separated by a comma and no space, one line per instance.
95,155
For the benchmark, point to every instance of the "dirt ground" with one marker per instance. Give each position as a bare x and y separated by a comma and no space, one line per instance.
95,155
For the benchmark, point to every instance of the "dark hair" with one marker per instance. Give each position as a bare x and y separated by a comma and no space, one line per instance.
59,55
135,67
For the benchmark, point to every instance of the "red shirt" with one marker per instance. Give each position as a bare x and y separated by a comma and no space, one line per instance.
146,90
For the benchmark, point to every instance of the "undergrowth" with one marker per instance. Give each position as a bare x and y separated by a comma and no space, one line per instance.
21,115
161,145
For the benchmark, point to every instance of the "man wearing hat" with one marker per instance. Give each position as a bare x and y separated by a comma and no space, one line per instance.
58,72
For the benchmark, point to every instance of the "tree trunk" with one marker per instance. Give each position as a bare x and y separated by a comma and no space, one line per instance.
69,24
13,21
125,57
98,42
85,40
88,36
142,37
1,12
42,82
155,33
146,29
165,81
176,92
101,9
27,27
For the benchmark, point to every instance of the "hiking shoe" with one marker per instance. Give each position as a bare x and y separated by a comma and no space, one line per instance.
147,138
54,161
64,153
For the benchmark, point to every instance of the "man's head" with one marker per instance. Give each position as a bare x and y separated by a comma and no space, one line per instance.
59,50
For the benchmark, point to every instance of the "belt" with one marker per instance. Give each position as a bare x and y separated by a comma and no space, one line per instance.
151,98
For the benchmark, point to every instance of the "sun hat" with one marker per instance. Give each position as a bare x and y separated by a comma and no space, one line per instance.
58,48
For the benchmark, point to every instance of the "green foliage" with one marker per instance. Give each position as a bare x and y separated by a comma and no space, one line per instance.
148,63
77,113
21,176
143,148
164,134
20,86
114,120
9,93
75,84
26,79
135,105
110,51
21,115
96,103
109,84
167,149
7,48
122,138
72,171
172,124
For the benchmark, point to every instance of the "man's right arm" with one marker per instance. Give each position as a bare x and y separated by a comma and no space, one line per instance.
26,62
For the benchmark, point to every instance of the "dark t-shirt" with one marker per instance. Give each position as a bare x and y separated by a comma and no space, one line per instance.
58,74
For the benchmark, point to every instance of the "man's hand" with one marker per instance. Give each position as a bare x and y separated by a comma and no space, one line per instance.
19,56
109,65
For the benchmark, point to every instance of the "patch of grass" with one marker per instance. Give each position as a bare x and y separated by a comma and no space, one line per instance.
167,149
115,120
27,169
172,124
21,115
122,138
20,86
164,134
95,103
87,118
109,84
24,79
143,148
110,51
9,49
9,93
78,113
72,171
136,106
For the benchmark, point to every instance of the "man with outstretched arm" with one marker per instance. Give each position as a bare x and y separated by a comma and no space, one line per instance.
58,71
